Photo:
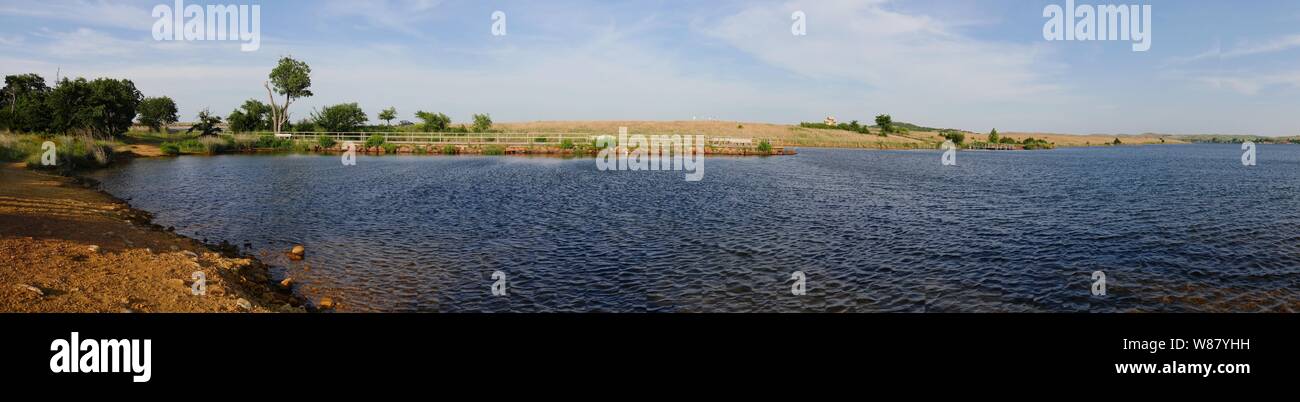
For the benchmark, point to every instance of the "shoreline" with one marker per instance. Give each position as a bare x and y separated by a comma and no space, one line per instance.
67,246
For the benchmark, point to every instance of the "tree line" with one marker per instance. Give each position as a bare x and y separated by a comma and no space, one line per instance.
106,108
102,107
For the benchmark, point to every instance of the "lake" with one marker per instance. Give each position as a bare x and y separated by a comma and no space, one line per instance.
1175,228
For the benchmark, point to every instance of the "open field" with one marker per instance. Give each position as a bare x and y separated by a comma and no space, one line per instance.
779,134
793,135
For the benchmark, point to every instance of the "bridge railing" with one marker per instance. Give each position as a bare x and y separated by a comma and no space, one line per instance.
507,139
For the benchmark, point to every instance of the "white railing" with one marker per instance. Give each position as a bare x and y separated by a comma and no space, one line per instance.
508,139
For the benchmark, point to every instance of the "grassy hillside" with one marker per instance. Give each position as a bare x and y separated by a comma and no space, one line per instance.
779,134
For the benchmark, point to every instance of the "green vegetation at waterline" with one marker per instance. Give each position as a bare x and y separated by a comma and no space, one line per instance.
71,152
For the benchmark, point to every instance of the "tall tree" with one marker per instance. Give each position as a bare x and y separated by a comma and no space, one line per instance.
290,78
885,122
434,122
103,107
22,103
158,112
387,115
345,117
252,116
993,136
482,122
207,124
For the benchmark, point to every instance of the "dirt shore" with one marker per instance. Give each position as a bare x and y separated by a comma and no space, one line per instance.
65,247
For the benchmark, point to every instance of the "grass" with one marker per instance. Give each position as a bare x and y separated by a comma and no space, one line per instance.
202,145
494,150
70,152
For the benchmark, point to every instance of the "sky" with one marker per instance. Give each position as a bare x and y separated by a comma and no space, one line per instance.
1223,67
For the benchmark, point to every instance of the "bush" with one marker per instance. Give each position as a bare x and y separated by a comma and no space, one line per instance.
325,141
375,140
494,150
956,137
389,148
71,153
539,139
345,117
566,144
482,123
269,141
765,147
449,149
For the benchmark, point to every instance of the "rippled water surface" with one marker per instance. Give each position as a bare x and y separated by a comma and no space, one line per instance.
1175,228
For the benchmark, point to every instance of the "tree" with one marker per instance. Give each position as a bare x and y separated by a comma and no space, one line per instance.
23,103
252,116
387,115
993,136
434,122
158,112
886,123
290,78
342,117
1117,142
482,122
206,124
104,107
957,137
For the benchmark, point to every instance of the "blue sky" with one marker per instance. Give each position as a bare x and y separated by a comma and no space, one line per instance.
1213,67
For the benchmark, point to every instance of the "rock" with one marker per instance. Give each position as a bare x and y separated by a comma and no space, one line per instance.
286,283
297,253
127,311
244,304
325,303
93,249
178,283
190,254
31,288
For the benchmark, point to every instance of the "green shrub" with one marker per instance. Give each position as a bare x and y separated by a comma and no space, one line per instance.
170,148
375,140
566,144
539,139
449,149
389,148
325,141
765,147
494,150
270,141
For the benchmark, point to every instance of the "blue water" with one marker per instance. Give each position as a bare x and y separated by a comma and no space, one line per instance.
1175,228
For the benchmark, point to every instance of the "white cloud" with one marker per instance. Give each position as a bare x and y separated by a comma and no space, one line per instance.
85,42
11,40
395,15
901,54
1275,45
1250,83
100,13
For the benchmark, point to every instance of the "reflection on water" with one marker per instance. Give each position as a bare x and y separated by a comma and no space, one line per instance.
1176,228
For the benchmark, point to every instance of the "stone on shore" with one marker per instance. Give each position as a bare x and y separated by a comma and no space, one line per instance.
325,303
297,253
